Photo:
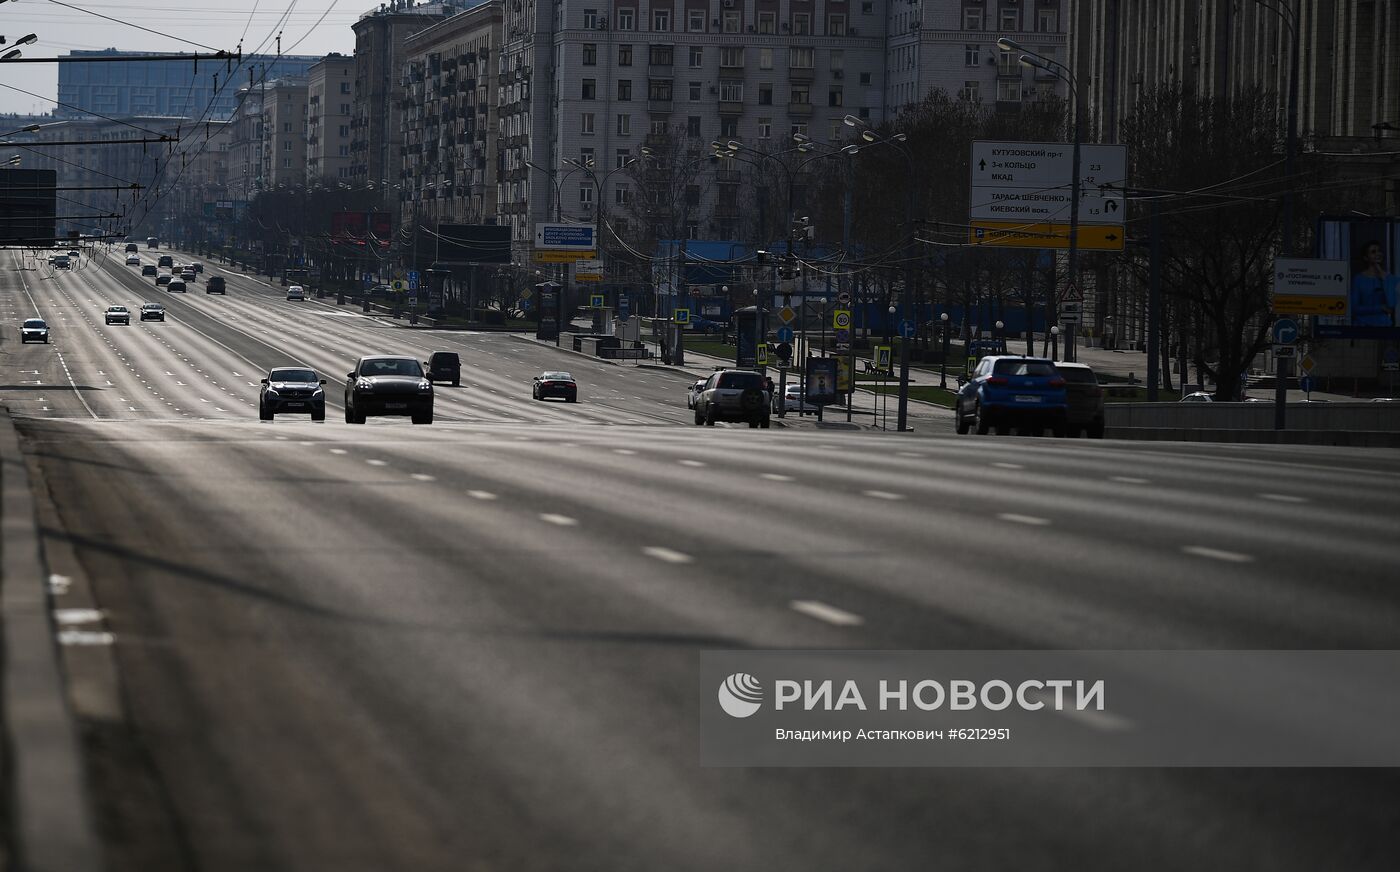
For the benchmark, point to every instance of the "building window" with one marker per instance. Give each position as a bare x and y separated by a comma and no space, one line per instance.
590,54
972,18
287,145
971,92
626,19
695,21
801,96
624,56
1047,20
1010,18
345,87
765,95
590,19
972,55
731,91
585,123
624,125
660,89
661,20
590,89
662,55
834,97
767,22
838,59
345,151
344,108
799,128
694,88
345,130
286,127
585,195
692,126
624,90
1009,91
692,195
836,25
731,56
585,157
730,22
697,57
865,78
801,23
622,194
800,58
623,155
765,128
765,59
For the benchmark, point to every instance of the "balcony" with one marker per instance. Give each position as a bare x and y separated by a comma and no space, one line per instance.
803,110
731,107
1008,107
659,105
1009,71
801,74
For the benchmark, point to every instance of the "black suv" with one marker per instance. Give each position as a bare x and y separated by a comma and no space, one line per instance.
444,366
166,260
733,395
384,385
292,389
215,285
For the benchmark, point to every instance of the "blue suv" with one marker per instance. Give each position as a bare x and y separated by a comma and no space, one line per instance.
1004,392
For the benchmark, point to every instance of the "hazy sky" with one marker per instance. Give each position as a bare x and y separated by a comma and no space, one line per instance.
217,23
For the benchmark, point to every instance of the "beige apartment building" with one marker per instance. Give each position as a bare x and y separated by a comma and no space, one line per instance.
329,108
284,133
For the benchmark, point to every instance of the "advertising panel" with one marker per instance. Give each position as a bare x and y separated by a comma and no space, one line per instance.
1371,249
821,381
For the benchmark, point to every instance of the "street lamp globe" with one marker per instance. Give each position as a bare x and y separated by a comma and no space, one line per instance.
943,317
1054,331
891,310
1001,324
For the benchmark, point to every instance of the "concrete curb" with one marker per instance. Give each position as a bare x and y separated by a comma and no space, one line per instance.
50,824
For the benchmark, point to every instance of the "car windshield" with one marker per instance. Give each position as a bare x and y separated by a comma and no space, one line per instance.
1078,376
292,375
557,376
404,366
1025,367
117,309
740,381
34,322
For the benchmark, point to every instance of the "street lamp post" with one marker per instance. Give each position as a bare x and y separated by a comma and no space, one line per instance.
943,370
1035,61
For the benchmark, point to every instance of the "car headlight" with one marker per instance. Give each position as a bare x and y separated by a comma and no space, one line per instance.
318,392
425,385
364,384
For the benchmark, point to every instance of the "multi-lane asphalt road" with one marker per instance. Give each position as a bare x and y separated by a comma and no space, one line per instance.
473,645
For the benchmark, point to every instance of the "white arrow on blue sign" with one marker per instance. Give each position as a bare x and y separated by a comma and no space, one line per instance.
1285,331
784,334
907,328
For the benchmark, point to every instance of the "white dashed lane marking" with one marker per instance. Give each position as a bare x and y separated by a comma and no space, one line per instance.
1029,520
1217,554
830,614
667,555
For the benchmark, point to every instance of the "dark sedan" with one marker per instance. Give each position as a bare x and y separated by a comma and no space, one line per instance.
385,385
292,389
555,384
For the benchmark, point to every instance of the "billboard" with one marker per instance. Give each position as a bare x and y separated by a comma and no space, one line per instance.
473,243
357,228
1371,249
28,203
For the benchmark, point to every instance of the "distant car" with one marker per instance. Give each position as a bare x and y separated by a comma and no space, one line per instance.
733,395
693,391
118,315
188,274
1197,397
555,384
166,260
62,261
152,312
34,330
148,270
791,400
705,325
197,267
292,389
295,292
133,260
1085,397
444,366
385,385
1025,392
131,246
215,285
176,286
73,252
163,279
381,289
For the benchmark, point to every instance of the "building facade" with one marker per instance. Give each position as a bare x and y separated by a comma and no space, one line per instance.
245,152
449,130
284,133
329,108
164,87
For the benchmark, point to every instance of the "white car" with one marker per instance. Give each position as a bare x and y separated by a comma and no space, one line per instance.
1197,397
133,260
791,400
295,292
694,391
34,330
118,315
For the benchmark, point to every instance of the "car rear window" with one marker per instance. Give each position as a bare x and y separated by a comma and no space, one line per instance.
444,358
1025,367
1079,376
740,381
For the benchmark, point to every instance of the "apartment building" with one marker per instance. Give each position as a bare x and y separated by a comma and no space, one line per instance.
245,151
329,108
951,45
449,134
284,133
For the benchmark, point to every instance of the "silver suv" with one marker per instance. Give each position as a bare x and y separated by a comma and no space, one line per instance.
733,395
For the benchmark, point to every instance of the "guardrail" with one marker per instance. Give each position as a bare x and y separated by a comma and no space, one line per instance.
1352,417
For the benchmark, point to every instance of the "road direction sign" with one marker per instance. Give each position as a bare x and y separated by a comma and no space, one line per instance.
1309,286
413,280
907,328
682,316
786,314
568,237
784,334
1285,331
1018,234
588,270
1033,182
544,256
841,319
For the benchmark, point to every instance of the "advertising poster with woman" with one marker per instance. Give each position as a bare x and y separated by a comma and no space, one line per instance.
1370,246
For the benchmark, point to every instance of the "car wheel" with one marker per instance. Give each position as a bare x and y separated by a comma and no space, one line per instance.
983,425
710,416
349,416
424,418
573,399
264,414
961,424
753,425
698,419
764,422
456,382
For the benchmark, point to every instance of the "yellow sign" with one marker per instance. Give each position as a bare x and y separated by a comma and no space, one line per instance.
1014,234
1302,304
1307,364
398,284
547,256
843,375
841,319
882,357
762,354
785,314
